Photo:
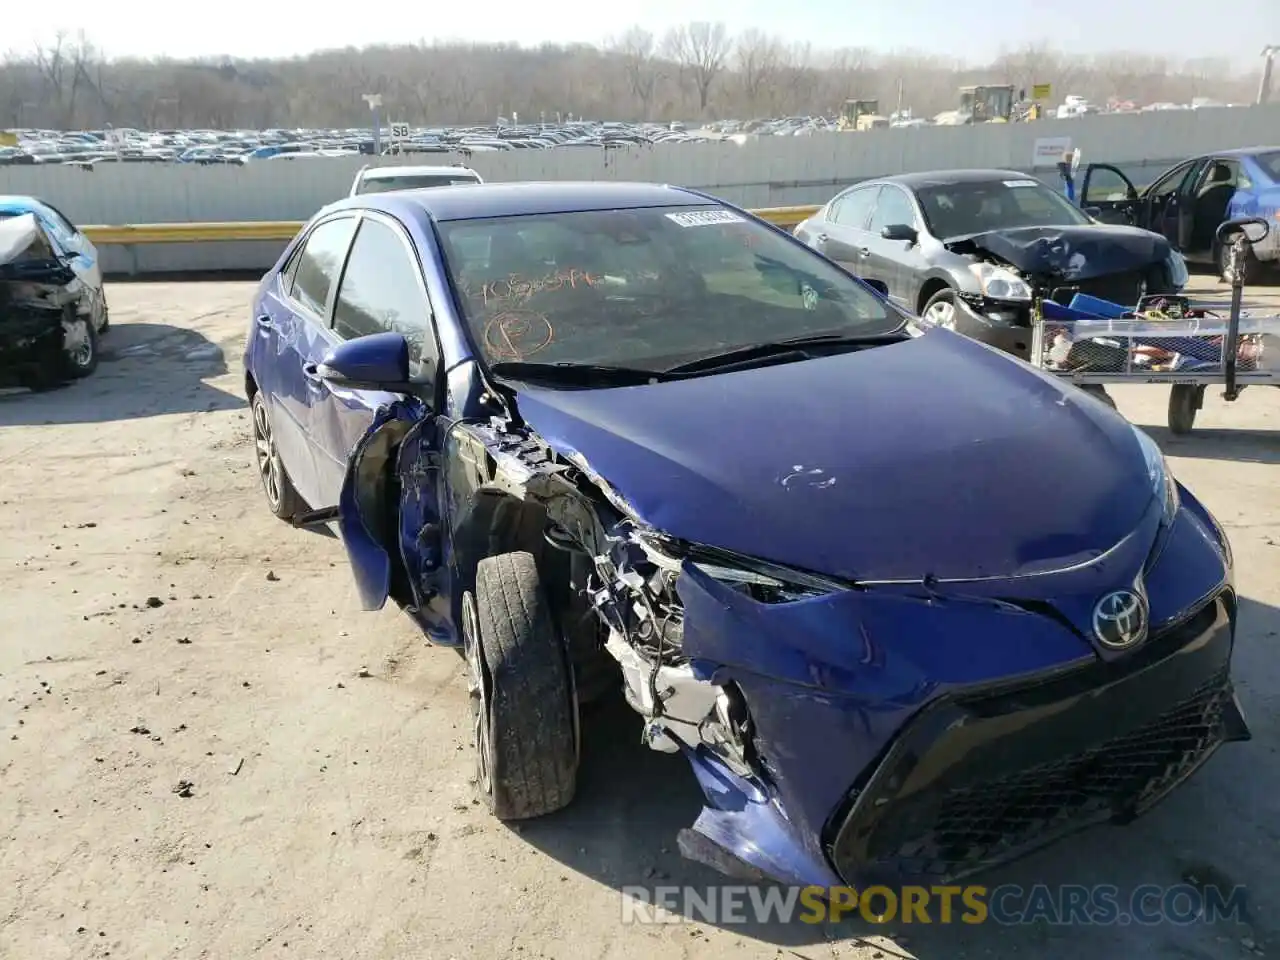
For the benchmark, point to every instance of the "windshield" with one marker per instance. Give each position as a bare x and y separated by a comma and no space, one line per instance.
646,288
413,182
1270,164
959,209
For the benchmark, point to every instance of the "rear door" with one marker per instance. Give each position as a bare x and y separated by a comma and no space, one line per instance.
381,290
897,263
844,238
295,316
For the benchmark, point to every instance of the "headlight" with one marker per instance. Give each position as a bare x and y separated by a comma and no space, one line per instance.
760,580
1163,487
1179,276
999,283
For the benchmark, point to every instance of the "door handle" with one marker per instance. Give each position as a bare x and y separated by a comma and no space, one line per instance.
864,251
311,371
822,238
264,322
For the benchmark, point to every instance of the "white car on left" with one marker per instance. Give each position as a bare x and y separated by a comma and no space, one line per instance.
52,304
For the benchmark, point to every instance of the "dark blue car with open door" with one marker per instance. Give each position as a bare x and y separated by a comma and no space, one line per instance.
625,437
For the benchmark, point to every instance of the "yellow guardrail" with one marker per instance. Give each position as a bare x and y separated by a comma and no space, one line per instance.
285,230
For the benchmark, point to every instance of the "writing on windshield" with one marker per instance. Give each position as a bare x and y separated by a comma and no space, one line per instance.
645,287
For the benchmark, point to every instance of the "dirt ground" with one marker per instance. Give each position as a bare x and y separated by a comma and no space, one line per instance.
207,750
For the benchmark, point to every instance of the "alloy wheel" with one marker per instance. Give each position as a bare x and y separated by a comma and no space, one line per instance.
942,314
78,343
265,449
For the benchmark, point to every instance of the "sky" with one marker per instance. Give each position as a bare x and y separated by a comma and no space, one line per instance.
974,30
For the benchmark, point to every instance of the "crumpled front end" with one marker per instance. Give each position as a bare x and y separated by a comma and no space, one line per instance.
37,292
850,733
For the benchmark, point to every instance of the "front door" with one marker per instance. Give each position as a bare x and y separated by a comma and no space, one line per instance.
1108,195
894,262
1169,203
381,290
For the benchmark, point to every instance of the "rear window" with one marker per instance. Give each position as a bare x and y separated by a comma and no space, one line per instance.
415,182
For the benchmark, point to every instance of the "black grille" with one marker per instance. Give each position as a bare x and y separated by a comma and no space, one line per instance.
983,779
1121,288
990,822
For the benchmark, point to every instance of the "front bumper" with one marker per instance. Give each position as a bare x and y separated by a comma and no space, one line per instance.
967,785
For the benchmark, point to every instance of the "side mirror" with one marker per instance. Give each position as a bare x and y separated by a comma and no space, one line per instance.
900,231
379,361
879,286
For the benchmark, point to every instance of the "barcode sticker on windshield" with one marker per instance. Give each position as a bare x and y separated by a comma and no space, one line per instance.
704,218
1022,183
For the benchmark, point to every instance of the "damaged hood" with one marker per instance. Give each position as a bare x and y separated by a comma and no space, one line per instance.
934,456
1070,252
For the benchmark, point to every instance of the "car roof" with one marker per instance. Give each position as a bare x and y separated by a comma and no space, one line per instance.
20,203
383,173
1245,151
476,201
939,178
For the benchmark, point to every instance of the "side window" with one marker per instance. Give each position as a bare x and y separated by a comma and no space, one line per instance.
319,263
892,207
1172,180
854,207
381,291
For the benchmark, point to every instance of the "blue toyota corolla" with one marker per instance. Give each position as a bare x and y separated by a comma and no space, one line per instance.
907,606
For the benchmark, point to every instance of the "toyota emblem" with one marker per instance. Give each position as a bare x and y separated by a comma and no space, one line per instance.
1120,619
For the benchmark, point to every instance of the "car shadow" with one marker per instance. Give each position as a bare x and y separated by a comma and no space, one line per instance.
1217,829
1240,446
144,370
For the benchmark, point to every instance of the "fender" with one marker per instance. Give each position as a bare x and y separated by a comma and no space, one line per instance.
362,510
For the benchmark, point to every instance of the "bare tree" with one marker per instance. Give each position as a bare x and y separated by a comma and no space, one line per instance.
698,69
700,50
638,53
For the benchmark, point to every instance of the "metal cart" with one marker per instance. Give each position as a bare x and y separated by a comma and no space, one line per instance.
1164,339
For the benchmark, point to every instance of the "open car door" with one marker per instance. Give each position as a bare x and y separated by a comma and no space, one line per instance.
1107,194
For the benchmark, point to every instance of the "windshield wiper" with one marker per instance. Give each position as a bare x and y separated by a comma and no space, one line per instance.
573,374
777,349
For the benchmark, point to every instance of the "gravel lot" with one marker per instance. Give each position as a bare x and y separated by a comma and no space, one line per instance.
161,628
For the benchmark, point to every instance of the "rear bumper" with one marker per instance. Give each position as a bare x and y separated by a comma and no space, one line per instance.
966,785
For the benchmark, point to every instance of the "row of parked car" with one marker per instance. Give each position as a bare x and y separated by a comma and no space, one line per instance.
91,147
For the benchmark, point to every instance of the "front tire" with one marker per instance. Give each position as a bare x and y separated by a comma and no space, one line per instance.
521,686
282,498
940,310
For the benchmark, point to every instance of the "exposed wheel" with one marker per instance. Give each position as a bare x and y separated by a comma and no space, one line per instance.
1185,400
940,310
1099,392
1250,267
282,498
523,709
79,347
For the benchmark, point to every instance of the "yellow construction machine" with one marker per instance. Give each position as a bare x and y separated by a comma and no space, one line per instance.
861,115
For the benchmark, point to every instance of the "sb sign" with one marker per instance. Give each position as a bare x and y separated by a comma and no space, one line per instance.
1042,91
400,131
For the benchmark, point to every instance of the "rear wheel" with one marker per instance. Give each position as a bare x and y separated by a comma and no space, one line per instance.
282,498
523,707
79,347
1185,401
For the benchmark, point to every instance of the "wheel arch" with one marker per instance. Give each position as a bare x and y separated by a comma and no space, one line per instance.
930,288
